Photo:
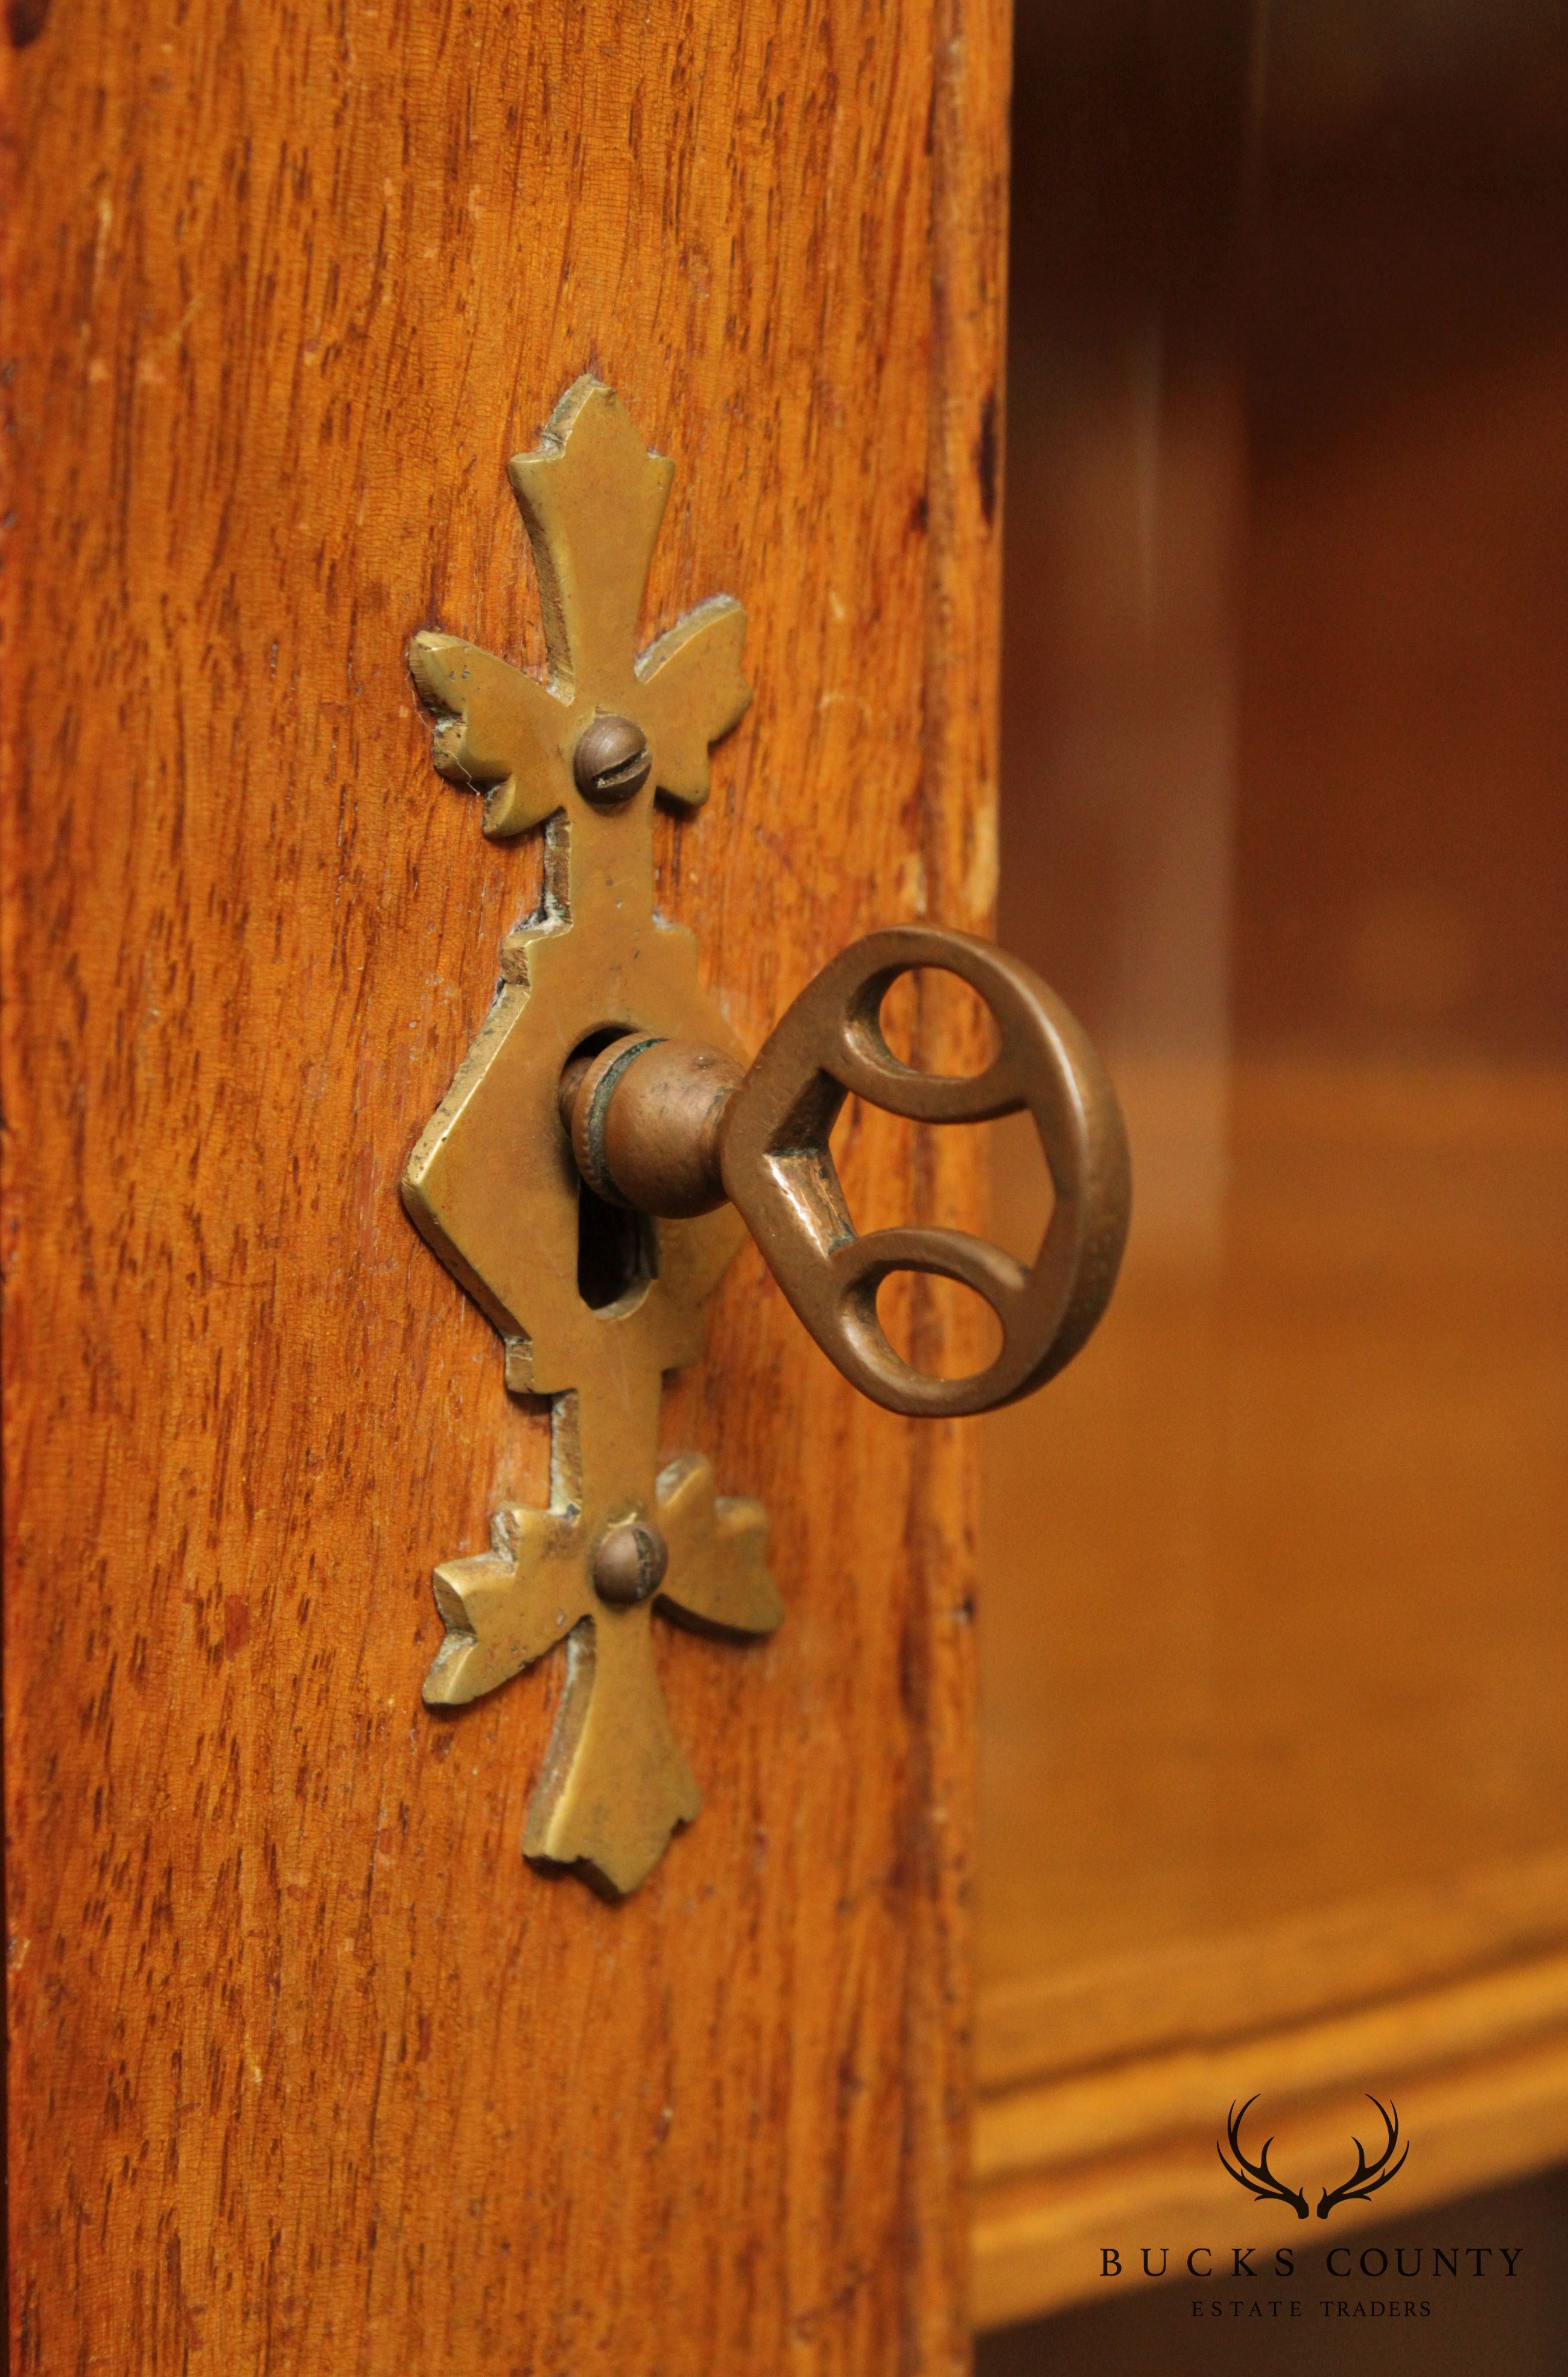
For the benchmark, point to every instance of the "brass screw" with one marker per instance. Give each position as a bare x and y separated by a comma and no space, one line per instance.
611,761
628,1563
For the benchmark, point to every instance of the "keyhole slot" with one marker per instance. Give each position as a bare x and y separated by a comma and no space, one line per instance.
617,1251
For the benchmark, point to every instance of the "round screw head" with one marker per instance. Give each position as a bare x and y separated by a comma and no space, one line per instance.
630,1561
611,761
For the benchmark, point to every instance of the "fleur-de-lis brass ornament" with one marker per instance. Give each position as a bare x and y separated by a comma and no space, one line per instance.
594,1304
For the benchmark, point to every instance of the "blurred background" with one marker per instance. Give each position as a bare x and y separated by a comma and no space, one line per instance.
1274,1641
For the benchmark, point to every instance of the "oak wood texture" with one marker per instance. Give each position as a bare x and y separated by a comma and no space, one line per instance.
306,2070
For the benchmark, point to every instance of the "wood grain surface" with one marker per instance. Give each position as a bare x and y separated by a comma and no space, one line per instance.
307,2070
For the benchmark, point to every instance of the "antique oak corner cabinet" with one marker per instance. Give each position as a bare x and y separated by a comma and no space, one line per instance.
309,2069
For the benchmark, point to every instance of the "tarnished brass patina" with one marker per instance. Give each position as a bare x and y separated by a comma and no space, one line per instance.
592,1313
587,1173
646,1113
668,1127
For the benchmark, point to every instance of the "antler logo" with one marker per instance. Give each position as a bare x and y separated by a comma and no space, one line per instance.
1366,2178
1257,2176
1266,2187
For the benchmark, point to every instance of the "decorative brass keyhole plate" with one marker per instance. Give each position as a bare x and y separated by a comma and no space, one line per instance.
587,1175
492,1184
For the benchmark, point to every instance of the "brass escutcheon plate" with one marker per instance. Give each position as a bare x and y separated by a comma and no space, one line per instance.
492,1185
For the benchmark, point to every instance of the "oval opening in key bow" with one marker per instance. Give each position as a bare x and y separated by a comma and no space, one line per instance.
935,1022
938,1326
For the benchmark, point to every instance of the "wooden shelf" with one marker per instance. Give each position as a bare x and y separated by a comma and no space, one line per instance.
1273,1770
